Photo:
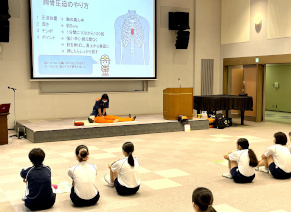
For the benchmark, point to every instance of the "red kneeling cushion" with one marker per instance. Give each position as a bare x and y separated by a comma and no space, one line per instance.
78,123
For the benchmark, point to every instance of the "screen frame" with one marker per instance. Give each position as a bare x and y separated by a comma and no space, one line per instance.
32,78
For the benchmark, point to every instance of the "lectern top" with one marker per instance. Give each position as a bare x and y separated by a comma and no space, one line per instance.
4,114
178,90
4,108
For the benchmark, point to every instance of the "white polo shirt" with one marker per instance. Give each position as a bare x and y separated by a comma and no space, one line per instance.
127,175
289,147
243,160
84,176
281,156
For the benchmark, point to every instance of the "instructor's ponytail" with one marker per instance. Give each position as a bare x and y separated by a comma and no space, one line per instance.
129,148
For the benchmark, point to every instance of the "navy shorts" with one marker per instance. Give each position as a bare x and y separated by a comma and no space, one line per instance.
122,190
239,178
40,205
278,173
78,202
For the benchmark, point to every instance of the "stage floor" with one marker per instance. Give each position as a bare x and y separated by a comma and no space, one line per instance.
64,129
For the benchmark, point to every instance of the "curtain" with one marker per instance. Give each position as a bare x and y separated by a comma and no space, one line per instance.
207,76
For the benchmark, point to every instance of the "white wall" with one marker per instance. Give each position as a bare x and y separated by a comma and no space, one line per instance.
259,44
31,103
207,42
171,63
239,10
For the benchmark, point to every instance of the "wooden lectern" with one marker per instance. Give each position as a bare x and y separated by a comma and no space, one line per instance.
3,128
176,102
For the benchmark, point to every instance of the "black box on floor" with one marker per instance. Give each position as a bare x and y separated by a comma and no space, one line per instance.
21,132
228,122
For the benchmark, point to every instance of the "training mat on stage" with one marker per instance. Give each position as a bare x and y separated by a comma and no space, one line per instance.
87,123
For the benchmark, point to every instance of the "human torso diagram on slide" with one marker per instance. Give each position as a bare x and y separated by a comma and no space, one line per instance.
131,39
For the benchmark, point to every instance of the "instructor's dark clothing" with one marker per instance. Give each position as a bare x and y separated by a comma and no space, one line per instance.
99,104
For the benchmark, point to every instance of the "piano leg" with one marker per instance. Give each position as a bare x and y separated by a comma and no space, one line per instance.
242,117
226,117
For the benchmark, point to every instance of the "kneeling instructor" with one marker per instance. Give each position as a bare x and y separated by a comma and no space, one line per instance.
99,108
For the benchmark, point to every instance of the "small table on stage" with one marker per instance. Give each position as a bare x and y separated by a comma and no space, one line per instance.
3,128
212,103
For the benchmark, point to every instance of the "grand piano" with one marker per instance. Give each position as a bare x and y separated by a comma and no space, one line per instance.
212,103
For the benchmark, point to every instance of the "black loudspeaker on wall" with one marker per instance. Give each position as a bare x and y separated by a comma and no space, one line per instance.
4,21
180,21
4,31
182,39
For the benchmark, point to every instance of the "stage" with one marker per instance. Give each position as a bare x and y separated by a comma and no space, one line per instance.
38,131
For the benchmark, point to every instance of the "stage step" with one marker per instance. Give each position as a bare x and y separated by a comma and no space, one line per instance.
38,131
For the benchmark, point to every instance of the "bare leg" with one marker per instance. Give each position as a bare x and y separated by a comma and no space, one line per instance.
264,162
113,176
232,164
270,160
229,167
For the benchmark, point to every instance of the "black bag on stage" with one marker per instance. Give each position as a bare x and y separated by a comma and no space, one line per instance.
219,121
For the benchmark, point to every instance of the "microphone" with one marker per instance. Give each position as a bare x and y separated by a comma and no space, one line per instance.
12,88
179,82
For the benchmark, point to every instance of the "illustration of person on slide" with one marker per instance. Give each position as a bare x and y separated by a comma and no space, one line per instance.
105,61
99,114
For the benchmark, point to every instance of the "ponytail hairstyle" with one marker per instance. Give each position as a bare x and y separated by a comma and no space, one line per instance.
203,198
244,144
129,148
82,153
281,138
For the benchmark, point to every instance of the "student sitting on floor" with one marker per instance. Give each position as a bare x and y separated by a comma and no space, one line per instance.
124,173
277,158
241,163
84,191
39,194
202,200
